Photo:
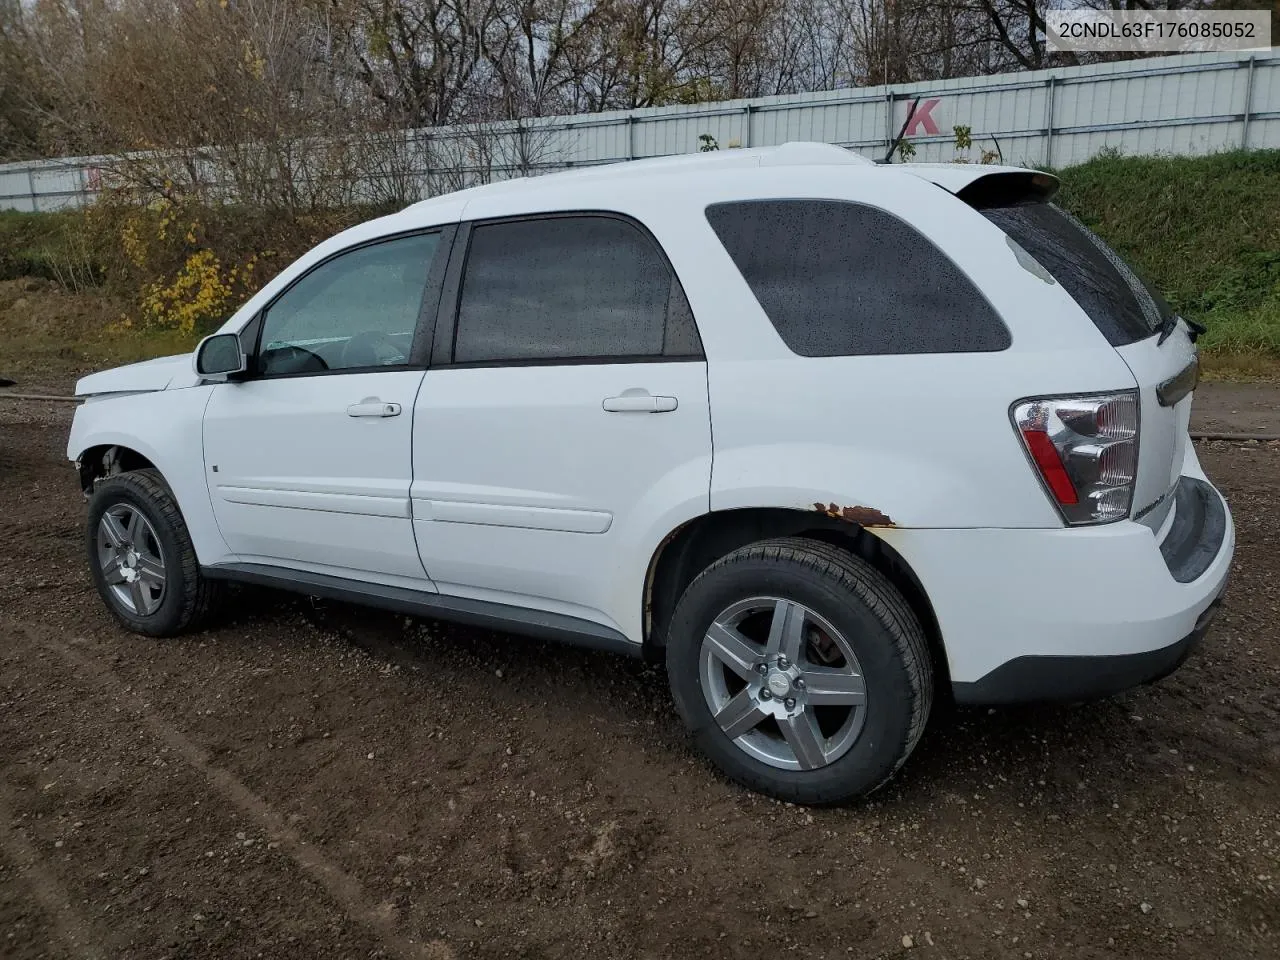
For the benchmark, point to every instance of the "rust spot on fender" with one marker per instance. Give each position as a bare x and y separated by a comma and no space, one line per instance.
862,516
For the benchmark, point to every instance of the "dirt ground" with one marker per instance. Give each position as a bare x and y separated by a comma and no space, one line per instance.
309,780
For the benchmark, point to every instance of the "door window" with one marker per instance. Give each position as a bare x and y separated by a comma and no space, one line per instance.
570,288
356,311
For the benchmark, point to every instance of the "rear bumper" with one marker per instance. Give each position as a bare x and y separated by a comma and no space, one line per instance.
1031,615
1057,678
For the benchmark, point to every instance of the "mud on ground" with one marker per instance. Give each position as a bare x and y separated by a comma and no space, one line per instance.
312,781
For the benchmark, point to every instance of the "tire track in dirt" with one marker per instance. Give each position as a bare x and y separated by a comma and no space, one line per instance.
344,889
79,936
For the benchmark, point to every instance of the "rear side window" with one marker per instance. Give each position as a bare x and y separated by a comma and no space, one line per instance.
844,279
1123,306
570,288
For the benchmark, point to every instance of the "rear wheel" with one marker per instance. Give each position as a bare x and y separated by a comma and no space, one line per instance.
800,670
141,556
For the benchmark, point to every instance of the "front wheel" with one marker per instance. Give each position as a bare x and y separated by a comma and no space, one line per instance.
800,671
141,556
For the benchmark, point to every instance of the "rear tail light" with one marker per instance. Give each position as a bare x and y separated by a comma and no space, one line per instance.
1085,450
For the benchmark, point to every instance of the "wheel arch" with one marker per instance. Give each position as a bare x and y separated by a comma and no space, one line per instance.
696,544
108,459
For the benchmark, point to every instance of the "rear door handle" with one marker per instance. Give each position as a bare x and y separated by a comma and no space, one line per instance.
373,407
639,401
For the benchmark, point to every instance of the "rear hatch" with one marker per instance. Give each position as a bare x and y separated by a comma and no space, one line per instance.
1156,344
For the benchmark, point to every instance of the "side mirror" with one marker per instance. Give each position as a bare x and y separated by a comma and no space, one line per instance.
219,357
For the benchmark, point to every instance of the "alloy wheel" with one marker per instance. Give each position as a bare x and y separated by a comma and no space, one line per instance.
782,683
131,559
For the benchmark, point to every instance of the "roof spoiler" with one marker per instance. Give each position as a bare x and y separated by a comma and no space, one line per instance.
1008,188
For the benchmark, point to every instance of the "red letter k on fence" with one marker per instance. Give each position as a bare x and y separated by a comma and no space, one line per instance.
921,117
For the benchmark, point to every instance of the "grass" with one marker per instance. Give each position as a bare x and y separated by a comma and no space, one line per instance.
30,358
51,246
1205,230
48,333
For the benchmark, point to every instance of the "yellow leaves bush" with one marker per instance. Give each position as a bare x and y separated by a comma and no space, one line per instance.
180,281
198,294
145,234
186,266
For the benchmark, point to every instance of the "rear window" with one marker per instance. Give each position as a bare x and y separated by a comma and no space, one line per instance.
845,279
1121,304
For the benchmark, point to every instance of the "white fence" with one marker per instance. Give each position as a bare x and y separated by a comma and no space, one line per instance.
1192,104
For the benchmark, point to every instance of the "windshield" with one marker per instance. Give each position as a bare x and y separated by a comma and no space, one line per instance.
1123,306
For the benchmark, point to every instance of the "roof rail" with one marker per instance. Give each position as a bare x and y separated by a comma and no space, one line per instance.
792,154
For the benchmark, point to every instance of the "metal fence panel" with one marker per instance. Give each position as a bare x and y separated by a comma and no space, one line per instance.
1194,104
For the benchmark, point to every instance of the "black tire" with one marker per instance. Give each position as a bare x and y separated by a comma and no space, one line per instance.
857,600
188,597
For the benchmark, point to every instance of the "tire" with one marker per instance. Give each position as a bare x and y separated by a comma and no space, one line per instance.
849,615
160,541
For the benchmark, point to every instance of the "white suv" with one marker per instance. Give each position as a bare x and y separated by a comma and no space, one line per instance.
832,438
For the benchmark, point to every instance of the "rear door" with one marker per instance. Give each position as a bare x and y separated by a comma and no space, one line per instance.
1136,321
562,414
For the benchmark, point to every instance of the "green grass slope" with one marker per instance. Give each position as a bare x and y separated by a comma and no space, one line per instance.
1205,230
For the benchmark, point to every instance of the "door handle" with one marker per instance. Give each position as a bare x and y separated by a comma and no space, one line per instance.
373,407
639,401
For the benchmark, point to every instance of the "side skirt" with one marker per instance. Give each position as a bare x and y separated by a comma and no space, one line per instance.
477,613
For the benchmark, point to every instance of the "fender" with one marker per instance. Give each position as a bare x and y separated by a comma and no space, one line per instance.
169,434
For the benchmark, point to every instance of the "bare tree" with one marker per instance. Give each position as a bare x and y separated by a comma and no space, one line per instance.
293,105
22,90
222,100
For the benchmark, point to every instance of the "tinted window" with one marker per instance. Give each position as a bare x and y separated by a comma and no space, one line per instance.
569,288
1120,304
842,279
359,309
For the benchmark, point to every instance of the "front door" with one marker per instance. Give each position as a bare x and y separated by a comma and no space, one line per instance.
309,459
568,422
